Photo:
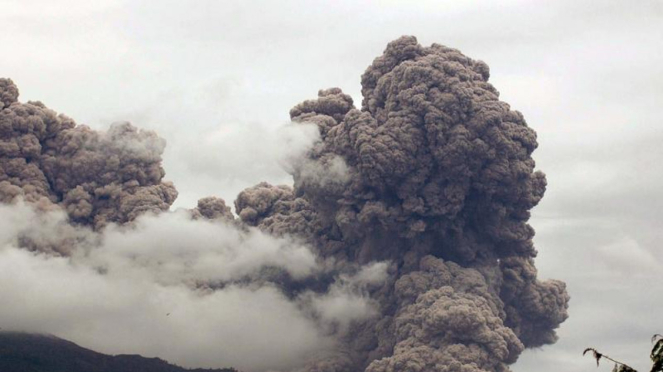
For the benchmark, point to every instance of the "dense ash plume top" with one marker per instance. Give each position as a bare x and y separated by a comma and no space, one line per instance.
439,180
97,177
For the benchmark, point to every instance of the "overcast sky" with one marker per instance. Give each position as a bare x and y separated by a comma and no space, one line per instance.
216,79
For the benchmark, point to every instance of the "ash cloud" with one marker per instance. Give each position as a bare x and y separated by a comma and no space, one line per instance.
439,177
403,244
96,177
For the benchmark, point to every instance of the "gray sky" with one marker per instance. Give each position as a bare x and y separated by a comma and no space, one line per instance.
216,79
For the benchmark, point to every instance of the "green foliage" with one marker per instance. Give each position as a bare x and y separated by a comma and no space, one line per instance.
656,357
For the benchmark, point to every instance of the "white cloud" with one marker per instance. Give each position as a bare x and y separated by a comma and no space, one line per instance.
135,290
252,329
347,299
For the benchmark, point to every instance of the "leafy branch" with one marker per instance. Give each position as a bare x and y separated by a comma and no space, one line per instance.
657,353
619,366
656,357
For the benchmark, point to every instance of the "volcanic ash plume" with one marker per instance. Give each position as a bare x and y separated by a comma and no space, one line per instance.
412,210
97,177
438,180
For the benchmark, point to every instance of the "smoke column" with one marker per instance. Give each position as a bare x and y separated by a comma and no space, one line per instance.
415,207
439,181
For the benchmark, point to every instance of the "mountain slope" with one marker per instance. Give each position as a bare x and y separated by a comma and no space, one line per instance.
23,352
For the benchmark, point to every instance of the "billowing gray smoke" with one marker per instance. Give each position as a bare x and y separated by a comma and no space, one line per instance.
416,206
439,181
97,177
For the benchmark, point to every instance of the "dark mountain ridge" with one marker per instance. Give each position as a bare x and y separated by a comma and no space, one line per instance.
26,352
